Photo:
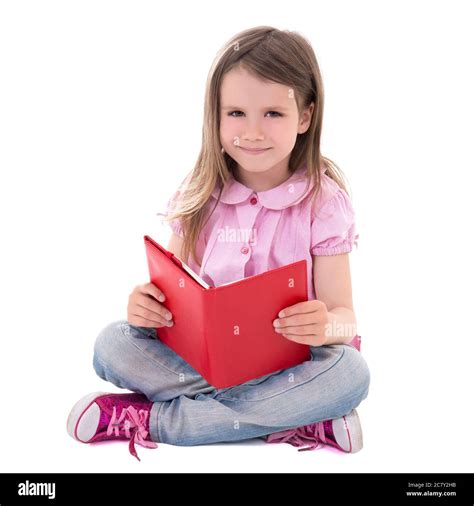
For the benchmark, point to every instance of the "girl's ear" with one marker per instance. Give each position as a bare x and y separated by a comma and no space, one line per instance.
305,119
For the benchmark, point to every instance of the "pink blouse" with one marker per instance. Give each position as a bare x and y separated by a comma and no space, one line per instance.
251,232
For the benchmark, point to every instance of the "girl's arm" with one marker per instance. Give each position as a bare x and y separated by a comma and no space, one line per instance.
332,284
175,245
330,318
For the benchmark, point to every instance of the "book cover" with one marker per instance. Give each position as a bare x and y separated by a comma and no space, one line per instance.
226,332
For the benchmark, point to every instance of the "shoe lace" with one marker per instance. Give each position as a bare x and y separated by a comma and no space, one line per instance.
312,435
133,423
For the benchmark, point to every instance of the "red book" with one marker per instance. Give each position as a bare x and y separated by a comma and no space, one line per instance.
226,332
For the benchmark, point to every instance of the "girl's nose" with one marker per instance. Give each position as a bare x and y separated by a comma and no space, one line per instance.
253,132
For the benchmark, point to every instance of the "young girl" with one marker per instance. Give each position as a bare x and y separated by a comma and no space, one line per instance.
260,196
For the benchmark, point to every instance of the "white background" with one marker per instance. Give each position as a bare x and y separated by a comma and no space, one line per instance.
100,119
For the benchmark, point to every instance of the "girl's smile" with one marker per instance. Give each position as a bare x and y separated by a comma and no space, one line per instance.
254,151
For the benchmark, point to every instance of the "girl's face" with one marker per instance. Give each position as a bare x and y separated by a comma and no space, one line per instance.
259,115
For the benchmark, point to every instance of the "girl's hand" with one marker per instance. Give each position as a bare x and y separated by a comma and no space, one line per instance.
304,322
144,310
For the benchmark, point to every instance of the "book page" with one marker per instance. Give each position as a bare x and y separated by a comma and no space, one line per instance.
193,274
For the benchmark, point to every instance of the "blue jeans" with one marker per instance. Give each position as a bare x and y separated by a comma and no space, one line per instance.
189,411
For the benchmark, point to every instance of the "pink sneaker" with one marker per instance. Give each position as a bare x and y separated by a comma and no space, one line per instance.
101,416
343,433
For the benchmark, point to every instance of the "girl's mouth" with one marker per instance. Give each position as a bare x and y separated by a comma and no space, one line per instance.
254,151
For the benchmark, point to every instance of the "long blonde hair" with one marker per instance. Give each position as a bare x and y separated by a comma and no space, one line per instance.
280,56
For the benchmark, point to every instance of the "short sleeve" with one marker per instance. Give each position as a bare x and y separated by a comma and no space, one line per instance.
175,225
333,227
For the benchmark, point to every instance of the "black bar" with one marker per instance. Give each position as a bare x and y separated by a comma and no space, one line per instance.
237,489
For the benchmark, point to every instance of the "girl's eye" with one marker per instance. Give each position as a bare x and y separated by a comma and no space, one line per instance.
232,113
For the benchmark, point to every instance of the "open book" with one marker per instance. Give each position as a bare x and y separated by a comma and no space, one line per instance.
226,332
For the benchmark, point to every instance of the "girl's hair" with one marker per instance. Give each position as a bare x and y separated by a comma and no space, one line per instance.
276,55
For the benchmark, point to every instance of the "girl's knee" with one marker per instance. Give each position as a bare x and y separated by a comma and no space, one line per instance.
358,372
115,349
108,344
108,336
120,332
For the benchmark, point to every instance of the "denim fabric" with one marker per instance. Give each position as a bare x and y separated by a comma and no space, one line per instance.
189,411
